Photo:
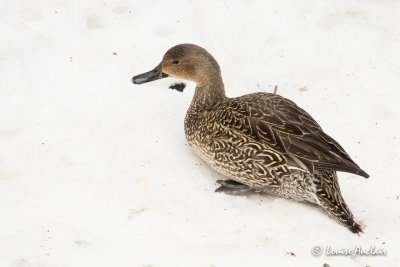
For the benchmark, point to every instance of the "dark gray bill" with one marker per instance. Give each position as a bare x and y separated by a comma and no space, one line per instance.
152,75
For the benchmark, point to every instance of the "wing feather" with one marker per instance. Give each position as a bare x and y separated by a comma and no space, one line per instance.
289,130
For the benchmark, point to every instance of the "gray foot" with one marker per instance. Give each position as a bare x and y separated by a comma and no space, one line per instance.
232,187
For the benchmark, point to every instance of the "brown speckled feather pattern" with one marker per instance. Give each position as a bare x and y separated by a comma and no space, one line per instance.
266,141
268,132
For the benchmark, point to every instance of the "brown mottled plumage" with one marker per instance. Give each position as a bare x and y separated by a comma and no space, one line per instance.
262,141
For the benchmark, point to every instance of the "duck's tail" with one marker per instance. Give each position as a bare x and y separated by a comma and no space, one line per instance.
328,193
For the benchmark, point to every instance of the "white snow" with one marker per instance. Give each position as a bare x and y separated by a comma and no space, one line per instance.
96,171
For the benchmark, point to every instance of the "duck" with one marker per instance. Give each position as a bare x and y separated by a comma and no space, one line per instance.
261,142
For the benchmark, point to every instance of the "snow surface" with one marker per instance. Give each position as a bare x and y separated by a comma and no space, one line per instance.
96,171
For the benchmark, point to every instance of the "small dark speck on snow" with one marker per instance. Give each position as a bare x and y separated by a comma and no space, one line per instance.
178,86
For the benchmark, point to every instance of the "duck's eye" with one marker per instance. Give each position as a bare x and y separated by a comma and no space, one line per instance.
175,62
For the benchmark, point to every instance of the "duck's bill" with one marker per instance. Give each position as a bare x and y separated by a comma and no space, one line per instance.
152,75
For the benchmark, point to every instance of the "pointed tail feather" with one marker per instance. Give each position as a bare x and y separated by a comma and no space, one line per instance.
330,197
342,214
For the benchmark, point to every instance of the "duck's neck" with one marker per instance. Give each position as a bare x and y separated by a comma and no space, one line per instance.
209,93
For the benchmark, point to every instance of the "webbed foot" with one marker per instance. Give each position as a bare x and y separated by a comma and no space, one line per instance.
232,187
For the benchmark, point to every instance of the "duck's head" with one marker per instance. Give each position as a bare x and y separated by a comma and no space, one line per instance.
184,61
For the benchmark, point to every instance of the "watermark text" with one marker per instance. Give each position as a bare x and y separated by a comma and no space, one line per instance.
357,250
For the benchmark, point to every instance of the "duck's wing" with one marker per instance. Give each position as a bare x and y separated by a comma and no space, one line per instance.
288,129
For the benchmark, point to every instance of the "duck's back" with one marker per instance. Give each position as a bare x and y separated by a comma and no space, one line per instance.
257,139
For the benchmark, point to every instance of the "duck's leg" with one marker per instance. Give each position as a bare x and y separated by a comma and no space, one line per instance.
232,187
